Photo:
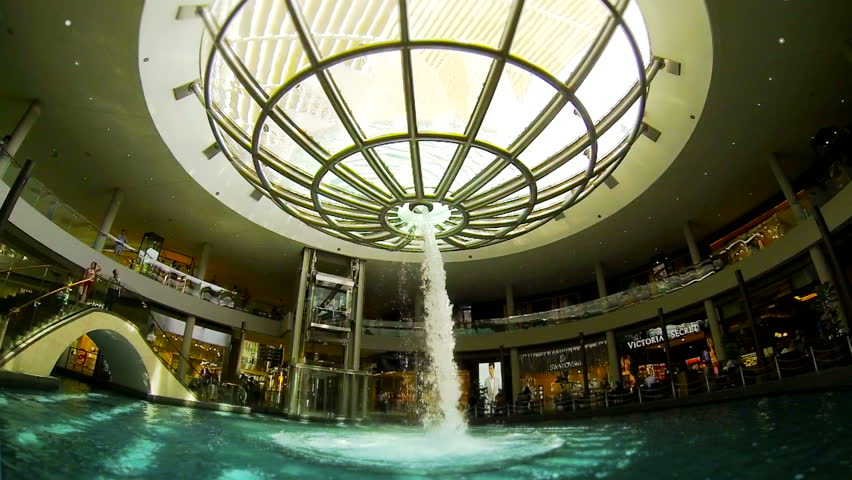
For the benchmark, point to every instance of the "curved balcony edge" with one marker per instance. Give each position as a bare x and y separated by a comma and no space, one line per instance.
52,237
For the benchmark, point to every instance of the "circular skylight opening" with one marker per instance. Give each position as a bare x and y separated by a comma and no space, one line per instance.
497,115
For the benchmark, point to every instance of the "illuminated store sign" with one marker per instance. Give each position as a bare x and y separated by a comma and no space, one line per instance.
562,358
655,335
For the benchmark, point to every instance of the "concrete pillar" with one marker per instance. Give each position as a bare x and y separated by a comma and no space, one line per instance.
510,301
515,367
716,333
786,187
691,244
109,218
601,279
823,268
585,365
19,134
296,347
614,366
201,268
189,326
359,315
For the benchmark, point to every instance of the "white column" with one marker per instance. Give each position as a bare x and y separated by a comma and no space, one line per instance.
709,307
691,244
786,187
201,269
359,315
823,269
601,279
510,301
614,367
109,218
185,347
19,134
515,367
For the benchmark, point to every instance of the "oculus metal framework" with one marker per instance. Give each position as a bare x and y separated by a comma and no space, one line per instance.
348,115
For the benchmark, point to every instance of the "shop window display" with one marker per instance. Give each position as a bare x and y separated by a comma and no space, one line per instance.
643,356
556,374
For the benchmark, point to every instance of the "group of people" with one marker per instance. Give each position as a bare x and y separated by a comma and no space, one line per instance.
87,287
206,384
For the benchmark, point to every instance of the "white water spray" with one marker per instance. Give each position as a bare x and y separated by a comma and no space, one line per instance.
442,391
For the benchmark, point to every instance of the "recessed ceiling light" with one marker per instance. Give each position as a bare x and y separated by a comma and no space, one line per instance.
705,174
781,40
76,63
90,98
733,143
758,104
67,23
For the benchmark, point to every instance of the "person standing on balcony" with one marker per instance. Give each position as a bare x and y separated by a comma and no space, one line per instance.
87,287
113,290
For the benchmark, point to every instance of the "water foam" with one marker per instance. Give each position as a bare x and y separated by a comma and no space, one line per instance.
441,391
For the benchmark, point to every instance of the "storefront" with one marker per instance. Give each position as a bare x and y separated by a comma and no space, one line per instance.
642,351
557,373
786,305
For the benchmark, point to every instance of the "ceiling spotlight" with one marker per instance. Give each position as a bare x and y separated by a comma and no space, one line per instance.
758,104
67,23
781,40
76,63
770,79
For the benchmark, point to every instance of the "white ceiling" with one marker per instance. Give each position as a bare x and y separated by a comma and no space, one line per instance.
92,139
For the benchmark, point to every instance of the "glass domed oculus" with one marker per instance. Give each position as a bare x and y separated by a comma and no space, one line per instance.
495,115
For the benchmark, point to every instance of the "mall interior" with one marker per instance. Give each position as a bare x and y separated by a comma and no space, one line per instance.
635,201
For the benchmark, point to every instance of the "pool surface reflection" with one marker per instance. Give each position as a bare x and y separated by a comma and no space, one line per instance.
103,435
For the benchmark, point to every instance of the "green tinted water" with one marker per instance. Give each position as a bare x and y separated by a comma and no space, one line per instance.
102,435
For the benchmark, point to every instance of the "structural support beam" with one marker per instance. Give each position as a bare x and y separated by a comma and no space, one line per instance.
13,142
510,301
109,218
613,365
716,333
761,358
203,261
515,367
841,282
601,280
691,244
14,194
186,347
295,348
359,315
585,365
666,346
786,187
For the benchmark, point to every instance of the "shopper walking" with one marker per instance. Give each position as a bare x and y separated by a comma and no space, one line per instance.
113,290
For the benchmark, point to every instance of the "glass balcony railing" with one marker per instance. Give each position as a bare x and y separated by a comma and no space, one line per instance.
65,217
731,249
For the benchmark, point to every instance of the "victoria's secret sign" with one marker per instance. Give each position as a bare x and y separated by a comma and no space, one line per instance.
655,335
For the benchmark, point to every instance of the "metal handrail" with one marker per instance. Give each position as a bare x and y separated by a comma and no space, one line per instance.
52,292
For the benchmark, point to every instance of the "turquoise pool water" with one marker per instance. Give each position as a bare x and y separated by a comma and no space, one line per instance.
97,435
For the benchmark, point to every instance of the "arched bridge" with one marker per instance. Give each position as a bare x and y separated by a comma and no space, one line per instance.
132,362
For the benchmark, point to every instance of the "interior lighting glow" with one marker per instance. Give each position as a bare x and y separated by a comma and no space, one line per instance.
806,297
